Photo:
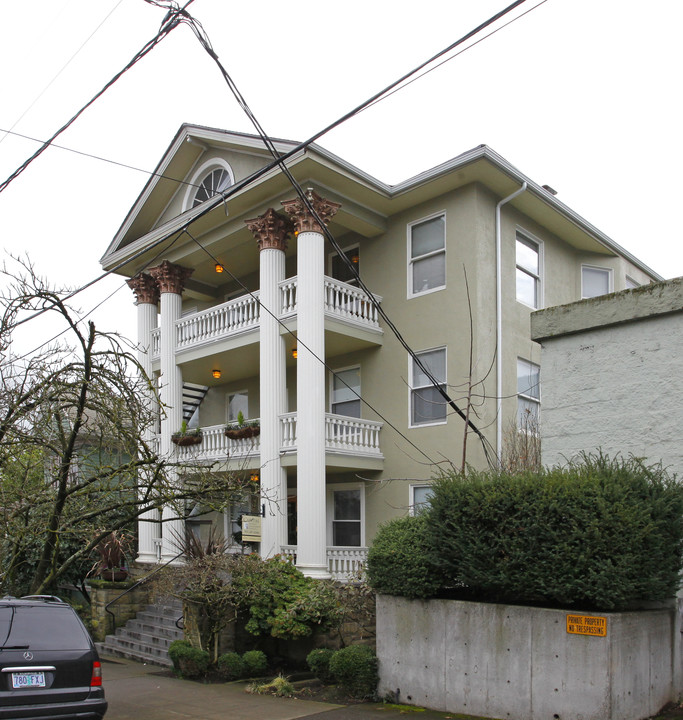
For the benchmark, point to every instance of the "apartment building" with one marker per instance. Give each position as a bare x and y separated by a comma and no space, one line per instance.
246,310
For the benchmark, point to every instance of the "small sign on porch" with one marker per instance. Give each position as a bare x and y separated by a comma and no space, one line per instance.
587,625
251,528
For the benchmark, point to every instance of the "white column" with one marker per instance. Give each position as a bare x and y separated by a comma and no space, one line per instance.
171,279
271,232
147,297
310,385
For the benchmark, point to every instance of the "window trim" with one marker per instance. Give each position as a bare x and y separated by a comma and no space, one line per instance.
525,396
330,511
610,279
198,176
412,389
410,260
412,488
530,239
332,255
230,394
334,372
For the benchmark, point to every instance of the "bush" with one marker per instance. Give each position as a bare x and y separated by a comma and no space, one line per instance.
255,662
188,661
231,666
318,662
400,561
355,669
605,534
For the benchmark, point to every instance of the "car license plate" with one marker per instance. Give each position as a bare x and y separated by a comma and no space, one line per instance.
28,680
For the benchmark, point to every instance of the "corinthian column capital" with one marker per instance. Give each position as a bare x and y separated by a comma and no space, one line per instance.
303,220
270,230
170,277
145,288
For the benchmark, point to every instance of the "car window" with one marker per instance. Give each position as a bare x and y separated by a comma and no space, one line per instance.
46,627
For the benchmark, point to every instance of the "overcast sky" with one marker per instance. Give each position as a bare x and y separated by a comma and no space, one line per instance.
583,95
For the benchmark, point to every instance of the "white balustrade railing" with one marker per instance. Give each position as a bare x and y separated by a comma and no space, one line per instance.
288,297
342,434
352,435
343,563
216,446
218,322
156,342
350,303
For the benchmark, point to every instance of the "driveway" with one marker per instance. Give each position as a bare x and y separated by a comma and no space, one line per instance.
136,691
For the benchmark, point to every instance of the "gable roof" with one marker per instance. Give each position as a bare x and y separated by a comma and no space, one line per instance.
366,201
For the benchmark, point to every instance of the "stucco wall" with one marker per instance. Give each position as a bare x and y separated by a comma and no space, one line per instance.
612,375
506,661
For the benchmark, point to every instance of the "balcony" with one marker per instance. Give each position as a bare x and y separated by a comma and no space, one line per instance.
347,310
349,443
344,564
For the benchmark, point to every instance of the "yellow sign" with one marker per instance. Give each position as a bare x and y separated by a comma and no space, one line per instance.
251,528
587,625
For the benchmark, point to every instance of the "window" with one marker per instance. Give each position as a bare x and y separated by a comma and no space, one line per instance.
419,498
340,269
345,392
595,281
212,177
528,395
238,402
346,518
427,253
631,283
427,405
528,256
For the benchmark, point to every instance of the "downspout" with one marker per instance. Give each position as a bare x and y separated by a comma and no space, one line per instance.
499,325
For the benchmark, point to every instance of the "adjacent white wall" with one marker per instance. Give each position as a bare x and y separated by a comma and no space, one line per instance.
612,375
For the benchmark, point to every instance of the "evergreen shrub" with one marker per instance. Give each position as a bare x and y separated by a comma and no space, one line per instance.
605,534
400,561
255,662
231,666
318,662
355,669
188,661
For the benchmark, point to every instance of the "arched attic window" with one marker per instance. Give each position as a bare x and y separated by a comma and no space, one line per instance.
213,177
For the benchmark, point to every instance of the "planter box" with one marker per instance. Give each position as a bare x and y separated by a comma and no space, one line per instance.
522,663
243,432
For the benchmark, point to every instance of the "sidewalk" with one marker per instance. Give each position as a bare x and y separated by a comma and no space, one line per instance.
135,691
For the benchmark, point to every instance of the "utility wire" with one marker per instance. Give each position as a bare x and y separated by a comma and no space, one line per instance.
59,72
173,18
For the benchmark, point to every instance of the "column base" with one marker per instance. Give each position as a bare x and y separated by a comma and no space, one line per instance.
147,558
319,572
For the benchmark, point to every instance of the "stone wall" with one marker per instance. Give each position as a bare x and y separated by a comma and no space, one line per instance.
125,609
522,663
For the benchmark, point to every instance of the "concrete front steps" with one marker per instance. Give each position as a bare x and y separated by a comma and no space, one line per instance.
147,637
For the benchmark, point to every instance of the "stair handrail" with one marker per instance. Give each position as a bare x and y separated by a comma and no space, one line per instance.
136,585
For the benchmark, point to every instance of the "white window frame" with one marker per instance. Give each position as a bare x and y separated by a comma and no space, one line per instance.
198,176
230,394
413,487
630,283
610,279
528,239
331,489
412,389
336,371
526,397
434,253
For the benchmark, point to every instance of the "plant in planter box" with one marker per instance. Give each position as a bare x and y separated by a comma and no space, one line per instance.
242,428
187,436
112,550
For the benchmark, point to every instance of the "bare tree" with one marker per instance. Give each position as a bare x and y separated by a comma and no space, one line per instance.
74,463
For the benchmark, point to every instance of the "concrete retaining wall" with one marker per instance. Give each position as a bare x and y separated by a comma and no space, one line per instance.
505,661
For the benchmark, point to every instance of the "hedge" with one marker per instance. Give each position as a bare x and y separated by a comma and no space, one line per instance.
355,669
605,534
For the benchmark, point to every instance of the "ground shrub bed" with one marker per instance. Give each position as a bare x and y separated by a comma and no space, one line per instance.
605,534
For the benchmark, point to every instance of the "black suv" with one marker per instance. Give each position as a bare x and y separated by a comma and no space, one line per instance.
49,667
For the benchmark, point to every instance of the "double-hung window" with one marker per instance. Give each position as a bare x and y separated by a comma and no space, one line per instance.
238,402
427,405
595,281
346,392
347,510
528,259
528,395
427,255
420,498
